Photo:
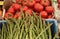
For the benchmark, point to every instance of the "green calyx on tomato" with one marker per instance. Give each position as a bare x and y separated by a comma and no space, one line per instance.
24,8
45,2
25,2
31,3
17,15
29,11
9,15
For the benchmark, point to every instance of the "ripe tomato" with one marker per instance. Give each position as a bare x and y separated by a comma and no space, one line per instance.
17,15
16,6
49,9
24,2
31,3
24,8
58,1
29,11
11,10
8,15
45,2
50,16
38,7
58,5
43,14
37,1
37,14
17,1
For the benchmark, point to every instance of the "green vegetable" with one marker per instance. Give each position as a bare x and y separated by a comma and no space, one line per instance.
28,27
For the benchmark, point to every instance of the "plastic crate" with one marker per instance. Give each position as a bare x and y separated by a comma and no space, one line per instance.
57,38
2,21
54,27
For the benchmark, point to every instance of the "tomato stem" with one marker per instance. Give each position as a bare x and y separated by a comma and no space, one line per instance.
31,0
24,0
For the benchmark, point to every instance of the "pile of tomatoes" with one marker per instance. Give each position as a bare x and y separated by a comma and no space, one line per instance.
41,7
59,4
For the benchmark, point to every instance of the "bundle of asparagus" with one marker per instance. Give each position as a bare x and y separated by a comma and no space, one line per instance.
26,27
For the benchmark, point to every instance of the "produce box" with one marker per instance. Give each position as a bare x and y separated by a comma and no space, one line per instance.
1,22
54,27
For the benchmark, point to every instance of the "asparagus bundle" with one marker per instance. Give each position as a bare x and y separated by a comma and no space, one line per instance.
26,27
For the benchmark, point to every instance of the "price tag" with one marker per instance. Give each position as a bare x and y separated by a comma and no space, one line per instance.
1,2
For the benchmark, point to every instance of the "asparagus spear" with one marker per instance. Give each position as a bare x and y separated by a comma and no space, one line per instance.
44,31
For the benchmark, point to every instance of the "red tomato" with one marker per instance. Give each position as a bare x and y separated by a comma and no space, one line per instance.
45,2
31,3
49,16
58,5
43,14
37,14
29,11
38,7
8,15
11,10
24,8
58,1
16,6
37,1
17,15
24,2
17,1
49,9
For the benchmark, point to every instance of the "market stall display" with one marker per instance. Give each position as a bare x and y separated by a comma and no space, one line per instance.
30,19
